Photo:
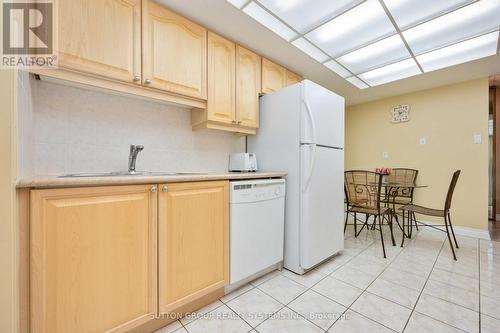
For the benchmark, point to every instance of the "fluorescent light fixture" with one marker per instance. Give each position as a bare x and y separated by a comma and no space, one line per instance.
410,12
357,82
472,49
237,3
266,19
310,49
383,52
334,66
389,73
356,28
480,17
304,15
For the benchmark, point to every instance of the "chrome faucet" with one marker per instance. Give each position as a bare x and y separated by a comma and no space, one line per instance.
132,158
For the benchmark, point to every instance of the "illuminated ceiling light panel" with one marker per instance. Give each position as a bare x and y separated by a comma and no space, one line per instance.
334,66
480,17
373,42
356,28
386,51
310,49
389,73
303,15
357,82
472,49
237,3
269,21
407,13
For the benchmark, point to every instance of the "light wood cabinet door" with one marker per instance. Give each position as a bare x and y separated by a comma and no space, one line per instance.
292,78
221,79
248,86
93,259
101,37
273,76
193,241
174,52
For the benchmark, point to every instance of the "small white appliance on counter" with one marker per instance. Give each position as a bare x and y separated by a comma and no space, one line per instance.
302,133
257,210
243,162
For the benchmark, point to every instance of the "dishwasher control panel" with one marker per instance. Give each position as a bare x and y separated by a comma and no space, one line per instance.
256,190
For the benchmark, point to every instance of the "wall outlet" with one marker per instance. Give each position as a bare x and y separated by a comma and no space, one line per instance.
423,141
385,155
478,139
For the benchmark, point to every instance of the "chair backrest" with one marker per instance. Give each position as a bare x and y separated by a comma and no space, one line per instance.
404,176
363,188
451,189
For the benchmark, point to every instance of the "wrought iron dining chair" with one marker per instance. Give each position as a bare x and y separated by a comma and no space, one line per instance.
363,191
411,209
403,195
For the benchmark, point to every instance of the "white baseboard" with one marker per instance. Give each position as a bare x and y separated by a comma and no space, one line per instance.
459,230
463,231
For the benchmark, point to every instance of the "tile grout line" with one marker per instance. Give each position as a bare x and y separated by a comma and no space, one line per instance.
309,288
365,290
425,284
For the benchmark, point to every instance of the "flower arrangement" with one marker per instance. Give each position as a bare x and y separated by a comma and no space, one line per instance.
383,171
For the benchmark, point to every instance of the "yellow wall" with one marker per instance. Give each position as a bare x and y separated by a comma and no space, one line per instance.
448,117
8,233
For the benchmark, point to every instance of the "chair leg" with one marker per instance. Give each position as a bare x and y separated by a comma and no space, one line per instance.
381,234
355,226
364,225
410,224
403,230
415,219
346,218
452,232
392,233
449,238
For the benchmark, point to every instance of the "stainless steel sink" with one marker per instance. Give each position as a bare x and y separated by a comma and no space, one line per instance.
126,173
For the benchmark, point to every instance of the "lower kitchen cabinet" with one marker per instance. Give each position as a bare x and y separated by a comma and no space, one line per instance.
93,259
193,237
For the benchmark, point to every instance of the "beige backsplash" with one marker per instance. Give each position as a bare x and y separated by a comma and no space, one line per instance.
79,130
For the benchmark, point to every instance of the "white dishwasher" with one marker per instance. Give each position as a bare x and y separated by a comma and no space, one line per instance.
257,225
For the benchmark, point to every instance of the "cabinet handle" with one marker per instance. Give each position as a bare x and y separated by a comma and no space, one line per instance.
234,121
147,81
153,189
137,78
164,188
239,122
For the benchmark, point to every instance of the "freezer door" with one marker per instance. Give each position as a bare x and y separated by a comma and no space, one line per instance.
322,116
322,204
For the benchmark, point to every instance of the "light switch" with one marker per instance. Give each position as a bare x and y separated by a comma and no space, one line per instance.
385,155
423,140
478,139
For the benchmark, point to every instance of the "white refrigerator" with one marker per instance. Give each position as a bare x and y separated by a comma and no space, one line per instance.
302,132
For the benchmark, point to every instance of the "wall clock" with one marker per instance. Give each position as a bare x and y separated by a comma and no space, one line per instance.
401,113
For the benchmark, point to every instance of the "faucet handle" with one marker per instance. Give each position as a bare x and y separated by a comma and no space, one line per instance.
136,148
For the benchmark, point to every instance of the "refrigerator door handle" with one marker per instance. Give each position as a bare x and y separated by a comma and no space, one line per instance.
311,167
311,119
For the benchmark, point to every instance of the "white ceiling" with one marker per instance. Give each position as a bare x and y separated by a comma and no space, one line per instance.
221,17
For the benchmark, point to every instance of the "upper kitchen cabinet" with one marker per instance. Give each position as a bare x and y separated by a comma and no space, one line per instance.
248,87
292,78
93,265
101,37
221,79
174,52
273,76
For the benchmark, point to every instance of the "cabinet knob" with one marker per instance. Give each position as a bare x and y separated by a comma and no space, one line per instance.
153,189
239,122
147,81
164,188
234,121
137,78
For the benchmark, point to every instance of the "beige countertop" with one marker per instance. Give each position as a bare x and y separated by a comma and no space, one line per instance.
58,182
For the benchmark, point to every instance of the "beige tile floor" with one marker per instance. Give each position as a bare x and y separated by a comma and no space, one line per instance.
418,288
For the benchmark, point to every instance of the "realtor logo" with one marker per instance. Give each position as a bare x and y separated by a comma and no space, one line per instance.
28,34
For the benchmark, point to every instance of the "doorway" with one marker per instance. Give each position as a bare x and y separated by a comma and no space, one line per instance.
494,158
